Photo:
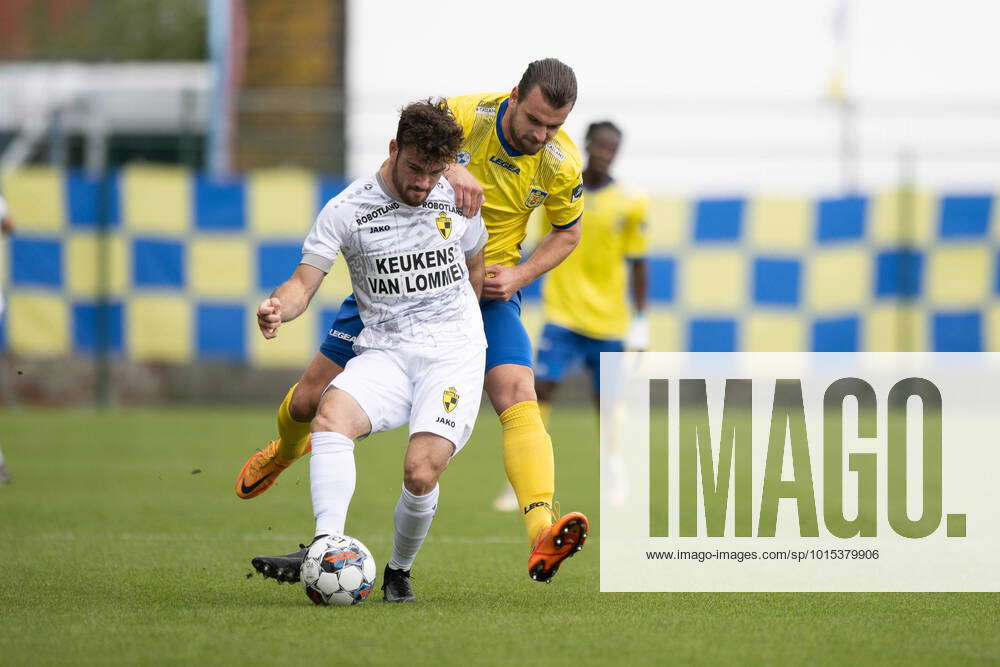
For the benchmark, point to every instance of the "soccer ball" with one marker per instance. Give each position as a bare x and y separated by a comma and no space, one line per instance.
338,570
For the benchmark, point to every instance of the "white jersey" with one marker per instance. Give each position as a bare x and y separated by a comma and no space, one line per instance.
407,264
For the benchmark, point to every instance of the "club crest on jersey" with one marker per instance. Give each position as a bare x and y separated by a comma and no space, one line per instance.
535,198
444,225
450,399
463,158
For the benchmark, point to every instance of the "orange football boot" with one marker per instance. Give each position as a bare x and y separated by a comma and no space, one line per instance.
555,544
260,472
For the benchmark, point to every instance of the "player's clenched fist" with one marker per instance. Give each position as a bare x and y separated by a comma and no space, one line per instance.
269,317
502,282
469,195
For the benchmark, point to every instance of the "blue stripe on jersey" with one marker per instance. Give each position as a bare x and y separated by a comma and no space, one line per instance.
511,151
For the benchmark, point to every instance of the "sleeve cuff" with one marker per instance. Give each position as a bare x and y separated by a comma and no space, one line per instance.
569,224
317,261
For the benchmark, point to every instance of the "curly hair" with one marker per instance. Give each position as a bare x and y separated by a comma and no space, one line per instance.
430,127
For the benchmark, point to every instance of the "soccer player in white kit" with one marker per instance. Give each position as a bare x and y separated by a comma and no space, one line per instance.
416,267
6,228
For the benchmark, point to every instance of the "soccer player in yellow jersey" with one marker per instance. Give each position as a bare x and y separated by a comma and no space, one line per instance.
584,299
515,159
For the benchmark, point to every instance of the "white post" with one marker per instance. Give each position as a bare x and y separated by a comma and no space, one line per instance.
220,22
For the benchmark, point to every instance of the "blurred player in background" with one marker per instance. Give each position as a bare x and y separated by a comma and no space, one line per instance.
416,266
515,158
584,299
6,228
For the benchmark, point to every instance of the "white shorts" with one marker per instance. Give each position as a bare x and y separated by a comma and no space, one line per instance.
432,389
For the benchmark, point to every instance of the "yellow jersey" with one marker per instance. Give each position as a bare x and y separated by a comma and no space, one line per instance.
516,184
587,293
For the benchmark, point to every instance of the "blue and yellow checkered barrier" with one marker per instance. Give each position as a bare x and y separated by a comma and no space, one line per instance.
184,261
897,270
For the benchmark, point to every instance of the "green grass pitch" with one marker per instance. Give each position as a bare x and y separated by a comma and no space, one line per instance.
122,542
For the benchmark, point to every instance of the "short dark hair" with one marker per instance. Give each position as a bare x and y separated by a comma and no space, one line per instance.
430,127
555,79
602,125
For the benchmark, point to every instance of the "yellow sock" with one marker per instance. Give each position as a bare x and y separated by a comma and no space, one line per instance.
545,410
294,435
527,457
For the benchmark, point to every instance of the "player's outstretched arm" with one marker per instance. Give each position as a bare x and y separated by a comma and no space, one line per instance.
289,299
477,272
469,195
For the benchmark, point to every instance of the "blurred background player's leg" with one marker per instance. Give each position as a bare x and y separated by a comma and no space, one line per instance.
610,409
4,475
6,228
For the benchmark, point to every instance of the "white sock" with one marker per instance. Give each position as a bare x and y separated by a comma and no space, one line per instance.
413,518
332,476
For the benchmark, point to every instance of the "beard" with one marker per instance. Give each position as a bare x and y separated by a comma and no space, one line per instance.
528,147
523,144
410,196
